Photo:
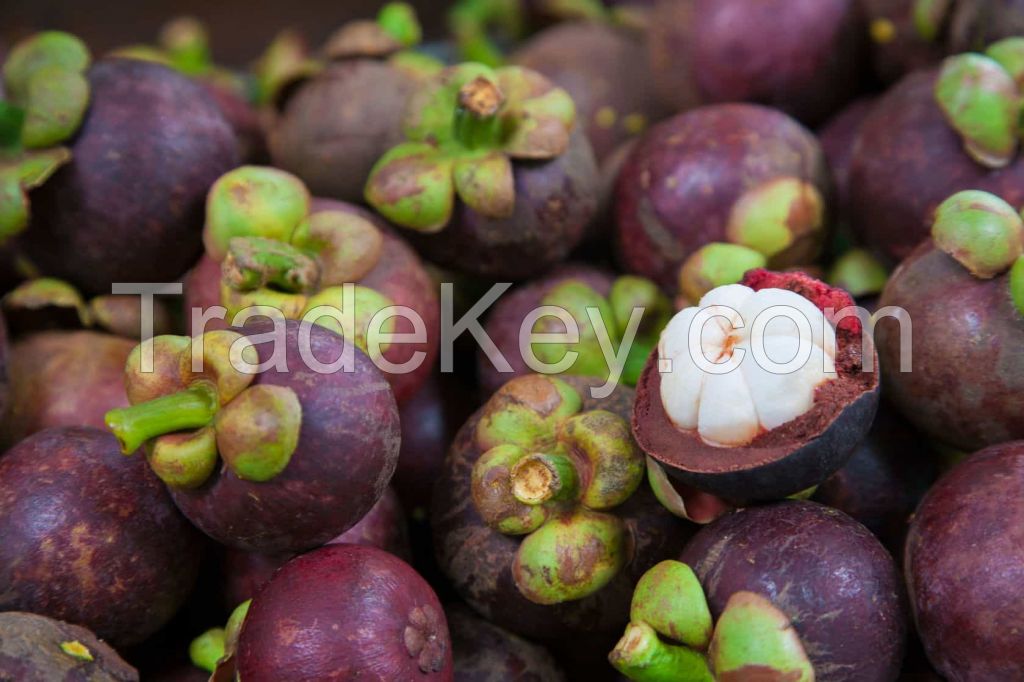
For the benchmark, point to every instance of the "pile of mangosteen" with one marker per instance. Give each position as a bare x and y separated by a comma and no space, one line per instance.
530,340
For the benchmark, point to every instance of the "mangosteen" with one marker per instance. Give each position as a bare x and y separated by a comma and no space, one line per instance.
272,437
127,204
795,409
825,572
330,126
585,293
269,246
963,561
349,611
483,652
837,138
734,173
91,537
64,379
382,527
953,327
604,69
493,180
35,648
708,51
541,519
884,479
916,148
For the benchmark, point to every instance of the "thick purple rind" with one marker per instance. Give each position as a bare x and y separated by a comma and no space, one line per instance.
967,352
129,207
964,566
91,537
825,571
556,200
346,453
478,560
340,612
747,474
906,161
679,184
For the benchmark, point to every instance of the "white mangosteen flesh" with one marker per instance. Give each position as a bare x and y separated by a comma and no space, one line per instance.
741,362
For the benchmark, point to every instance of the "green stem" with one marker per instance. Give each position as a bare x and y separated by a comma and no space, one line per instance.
641,655
476,115
191,408
254,263
541,477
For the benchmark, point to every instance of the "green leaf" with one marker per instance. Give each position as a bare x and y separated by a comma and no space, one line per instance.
412,186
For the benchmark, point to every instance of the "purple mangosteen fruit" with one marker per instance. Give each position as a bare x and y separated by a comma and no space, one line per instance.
804,57
91,537
64,379
933,134
963,562
483,652
331,124
269,246
837,138
347,611
382,527
133,174
803,388
35,648
540,518
585,293
272,437
494,179
822,570
732,173
950,350
604,69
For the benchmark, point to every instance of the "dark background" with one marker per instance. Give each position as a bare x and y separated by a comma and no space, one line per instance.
238,29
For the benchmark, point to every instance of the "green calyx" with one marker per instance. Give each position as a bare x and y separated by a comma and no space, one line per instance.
777,215
355,312
670,635
1009,53
1017,285
185,42
48,292
858,272
195,401
929,16
715,265
398,19
683,501
753,636
472,22
982,102
464,129
257,263
547,470
206,649
285,61
981,231
21,171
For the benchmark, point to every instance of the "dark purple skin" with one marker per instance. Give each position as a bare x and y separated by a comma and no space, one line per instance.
485,653
30,652
347,450
91,537
506,317
727,149
399,275
837,138
129,207
555,202
604,69
884,479
64,379
968,372
964,566
5,379
345,612
824,570
244,120
382,527
804,57
478,560
334,127
907,161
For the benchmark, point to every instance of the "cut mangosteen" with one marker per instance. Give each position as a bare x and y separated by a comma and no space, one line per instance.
35,648
349,611
963,562
563,560
90,536
744,427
